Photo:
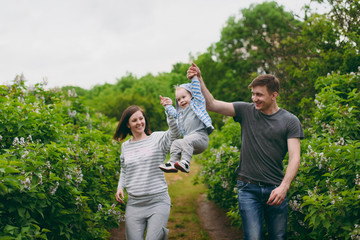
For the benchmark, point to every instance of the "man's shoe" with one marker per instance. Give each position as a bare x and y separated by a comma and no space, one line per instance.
168,167
183,166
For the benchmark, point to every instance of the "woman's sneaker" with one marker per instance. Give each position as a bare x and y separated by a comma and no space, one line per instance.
183,166
168,167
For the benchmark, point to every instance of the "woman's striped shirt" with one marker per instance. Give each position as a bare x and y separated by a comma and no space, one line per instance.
140,160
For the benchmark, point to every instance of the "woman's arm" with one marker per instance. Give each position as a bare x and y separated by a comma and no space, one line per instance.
170,135
121,185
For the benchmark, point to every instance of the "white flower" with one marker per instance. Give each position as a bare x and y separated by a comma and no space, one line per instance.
25,154
40,176
16,141
54,188
72,93
45,81
22,77
72,113
17,80
27,183
78,201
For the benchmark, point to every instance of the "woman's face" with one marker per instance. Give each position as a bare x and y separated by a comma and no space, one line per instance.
137,123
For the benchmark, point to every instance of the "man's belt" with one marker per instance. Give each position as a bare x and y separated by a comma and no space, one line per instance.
261,184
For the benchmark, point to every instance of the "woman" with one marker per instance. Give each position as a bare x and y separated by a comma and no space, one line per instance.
148,206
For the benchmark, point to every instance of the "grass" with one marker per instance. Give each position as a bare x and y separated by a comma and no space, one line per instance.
183,221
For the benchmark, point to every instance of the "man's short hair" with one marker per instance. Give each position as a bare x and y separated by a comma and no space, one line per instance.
268,80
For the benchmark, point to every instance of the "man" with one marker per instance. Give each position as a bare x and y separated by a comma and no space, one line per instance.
267,134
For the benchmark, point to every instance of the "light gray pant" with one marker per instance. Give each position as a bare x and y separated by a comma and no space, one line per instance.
149,213
184,148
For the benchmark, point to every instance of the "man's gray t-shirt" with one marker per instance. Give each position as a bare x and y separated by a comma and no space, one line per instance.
264,142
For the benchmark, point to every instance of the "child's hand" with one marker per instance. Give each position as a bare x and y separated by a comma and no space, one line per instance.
165,101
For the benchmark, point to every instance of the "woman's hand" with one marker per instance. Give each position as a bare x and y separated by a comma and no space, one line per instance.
119,196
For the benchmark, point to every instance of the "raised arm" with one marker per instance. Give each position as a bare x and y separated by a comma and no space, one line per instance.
173,132
169,108
213,105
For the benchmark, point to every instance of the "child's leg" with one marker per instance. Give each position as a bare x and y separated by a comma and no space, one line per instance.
194,143
175,150
175,154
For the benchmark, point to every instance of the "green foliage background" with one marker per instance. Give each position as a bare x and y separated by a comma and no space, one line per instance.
58,166
70,150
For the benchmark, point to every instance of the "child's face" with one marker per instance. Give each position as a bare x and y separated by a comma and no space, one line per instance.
183,97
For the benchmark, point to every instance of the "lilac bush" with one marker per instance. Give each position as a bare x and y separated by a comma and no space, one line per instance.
57,164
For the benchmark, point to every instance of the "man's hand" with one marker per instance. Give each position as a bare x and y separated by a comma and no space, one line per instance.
193,71
277,196
165,101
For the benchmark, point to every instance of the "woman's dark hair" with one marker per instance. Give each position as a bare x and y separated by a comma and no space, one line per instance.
122,129
268,80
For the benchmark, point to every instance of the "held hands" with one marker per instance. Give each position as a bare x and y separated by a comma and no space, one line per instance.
165,101
193,71
119,196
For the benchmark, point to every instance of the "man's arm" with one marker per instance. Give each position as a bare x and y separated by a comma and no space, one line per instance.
213,105
278,195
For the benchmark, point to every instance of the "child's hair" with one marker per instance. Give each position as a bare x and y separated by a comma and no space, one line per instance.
177,86
122,129
268,80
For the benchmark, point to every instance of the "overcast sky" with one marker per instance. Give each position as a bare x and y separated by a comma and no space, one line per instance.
89,42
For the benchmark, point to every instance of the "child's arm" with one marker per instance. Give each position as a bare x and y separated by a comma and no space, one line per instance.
169,109
196,90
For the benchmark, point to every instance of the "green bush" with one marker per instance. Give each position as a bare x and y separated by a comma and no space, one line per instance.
219,162
58,166
325,196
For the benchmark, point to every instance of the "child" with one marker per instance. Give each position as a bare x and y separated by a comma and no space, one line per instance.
194,124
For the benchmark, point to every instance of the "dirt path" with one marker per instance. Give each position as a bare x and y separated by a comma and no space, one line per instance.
212,218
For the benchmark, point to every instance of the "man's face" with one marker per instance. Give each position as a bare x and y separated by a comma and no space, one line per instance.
183,97
262,99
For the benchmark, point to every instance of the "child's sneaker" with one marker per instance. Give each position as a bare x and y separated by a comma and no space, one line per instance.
183,166
168,167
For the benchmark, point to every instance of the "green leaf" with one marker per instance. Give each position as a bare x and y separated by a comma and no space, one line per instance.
11,170
21,212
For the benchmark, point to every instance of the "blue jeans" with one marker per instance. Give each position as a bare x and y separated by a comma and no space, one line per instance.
253,210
